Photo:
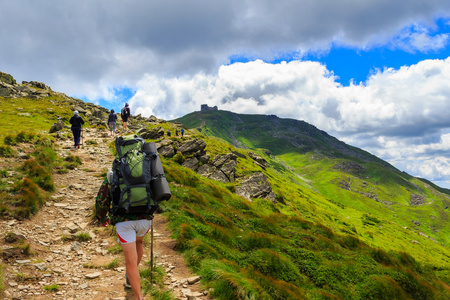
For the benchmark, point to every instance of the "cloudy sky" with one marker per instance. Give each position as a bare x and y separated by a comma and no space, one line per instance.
373,73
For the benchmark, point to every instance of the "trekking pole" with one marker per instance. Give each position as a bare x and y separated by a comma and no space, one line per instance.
151,253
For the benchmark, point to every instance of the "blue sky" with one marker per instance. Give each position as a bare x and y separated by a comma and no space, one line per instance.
373,73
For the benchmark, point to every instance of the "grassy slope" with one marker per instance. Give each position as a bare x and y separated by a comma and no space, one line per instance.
44,112
312,245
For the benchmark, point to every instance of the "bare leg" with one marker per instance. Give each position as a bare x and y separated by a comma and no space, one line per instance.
133,254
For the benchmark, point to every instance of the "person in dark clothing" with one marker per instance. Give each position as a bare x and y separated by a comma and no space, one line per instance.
182,132
77,122
125,114
112,122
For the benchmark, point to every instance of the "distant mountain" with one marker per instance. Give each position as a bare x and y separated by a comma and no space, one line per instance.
276,134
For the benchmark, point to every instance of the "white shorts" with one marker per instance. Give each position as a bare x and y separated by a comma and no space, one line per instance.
128,231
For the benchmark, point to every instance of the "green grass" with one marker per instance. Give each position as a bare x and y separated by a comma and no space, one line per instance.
83,236
52,288
2,280
155,288
307,246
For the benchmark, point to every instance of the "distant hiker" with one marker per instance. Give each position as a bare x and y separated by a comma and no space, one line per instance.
125,113
129,199
168,132
77,122
176,132
112,122
182,131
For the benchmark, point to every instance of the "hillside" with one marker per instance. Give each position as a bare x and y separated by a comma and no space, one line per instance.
348,176
253,223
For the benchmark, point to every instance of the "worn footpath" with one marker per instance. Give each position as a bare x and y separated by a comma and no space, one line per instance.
62,266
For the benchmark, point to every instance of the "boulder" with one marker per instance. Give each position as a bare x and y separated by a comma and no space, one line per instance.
256,186
57,126
152,134
192,146
191,163
166,151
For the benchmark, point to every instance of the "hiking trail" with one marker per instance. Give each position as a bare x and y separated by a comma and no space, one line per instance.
58,258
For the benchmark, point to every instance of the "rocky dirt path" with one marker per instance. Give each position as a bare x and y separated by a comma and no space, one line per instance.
79,267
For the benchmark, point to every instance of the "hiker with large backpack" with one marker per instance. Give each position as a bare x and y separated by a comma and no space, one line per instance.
128,197
125,114
77,122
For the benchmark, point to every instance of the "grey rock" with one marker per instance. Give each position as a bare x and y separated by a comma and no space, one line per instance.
166,151
229,169
218,175
206,170
256,186
41,266
192,146
93,275
57,126
75,246
204,159
191,163
258,159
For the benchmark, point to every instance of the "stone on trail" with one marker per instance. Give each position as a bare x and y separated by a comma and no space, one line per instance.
192,280
93,275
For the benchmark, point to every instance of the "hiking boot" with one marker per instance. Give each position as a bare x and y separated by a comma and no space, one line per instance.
78,146
127,284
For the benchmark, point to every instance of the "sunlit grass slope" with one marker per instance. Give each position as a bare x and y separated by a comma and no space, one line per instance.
304,246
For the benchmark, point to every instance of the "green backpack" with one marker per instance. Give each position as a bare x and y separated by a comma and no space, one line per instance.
138,183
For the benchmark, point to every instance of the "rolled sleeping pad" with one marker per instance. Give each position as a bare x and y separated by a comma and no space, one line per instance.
160,189
159,184
157,167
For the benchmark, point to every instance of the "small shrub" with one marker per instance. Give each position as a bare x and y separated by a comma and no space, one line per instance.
6,151
39,174
382,288
29,198
369,220
10,140
62,171
24,137
91,142
179,158
274,264
83,236
25,249
382,257
51,288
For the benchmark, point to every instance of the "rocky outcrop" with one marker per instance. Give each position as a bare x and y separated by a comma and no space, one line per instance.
153,134
9,88
6,78
256,186
258,160
192,147
416,200
349,167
